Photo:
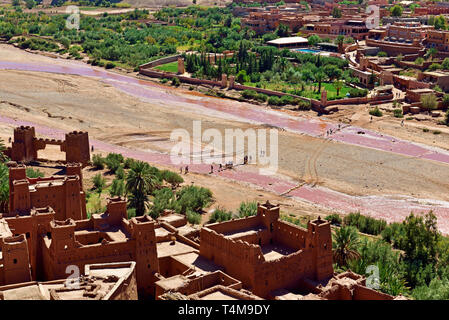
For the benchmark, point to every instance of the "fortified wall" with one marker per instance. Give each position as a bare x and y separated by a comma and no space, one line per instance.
267,254
107,237
25,146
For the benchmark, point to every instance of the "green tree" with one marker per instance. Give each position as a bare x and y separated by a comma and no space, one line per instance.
431,53
340,40
338,85
282,30
313,40
445,64
396,11
319,77
139,183
336,12
99,182
344,245
117,188
429,101
440,23
164,199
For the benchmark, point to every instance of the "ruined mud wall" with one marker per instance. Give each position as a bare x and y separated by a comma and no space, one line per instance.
237,257
237,224
364,293
290,235
284,272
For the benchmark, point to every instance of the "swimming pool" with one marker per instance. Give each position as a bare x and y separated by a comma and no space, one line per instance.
308,50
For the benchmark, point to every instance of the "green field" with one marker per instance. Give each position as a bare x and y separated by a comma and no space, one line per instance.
310,90
168,67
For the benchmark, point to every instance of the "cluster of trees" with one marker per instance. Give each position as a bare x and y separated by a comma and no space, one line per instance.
122,40
260,66
140,182
412,256
118,38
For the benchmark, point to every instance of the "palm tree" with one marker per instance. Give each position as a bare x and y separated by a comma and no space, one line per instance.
338,85
319,77
139,183
345,244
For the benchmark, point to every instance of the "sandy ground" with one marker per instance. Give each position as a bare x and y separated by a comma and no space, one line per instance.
81,103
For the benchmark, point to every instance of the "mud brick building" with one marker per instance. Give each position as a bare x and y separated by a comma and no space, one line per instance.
45,236
25,146
64,194
103,281
266,253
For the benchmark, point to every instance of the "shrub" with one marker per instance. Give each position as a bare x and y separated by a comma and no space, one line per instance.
109,65
98,162
438,289
382,54
425,130
293,220
128,163
262,97
164,199
286,100
398,113
164,80
220,215
274,100
437,132
113,161
95,206
419,61
120,173
249,94
172,177
247,209
365,224
193,198
175,82
446,100
99,182
304,105
131,212
429,101
355,92
193,217
117,188
32,173
334,219
393,234
434,66
376,112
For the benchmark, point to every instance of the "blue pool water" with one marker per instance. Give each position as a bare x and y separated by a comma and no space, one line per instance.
308,50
